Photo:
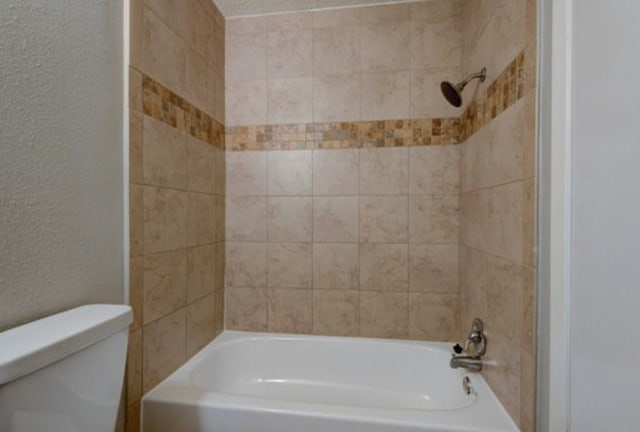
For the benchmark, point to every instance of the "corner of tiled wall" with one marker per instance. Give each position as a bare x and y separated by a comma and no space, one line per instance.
177,188
498,197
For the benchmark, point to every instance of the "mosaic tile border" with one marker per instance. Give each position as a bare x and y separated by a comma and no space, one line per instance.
503,92
312,136
163,105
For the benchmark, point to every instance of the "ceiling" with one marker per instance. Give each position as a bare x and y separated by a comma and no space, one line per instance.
234,8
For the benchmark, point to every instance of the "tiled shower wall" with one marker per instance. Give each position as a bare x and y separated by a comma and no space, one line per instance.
176,188
497,240
344,235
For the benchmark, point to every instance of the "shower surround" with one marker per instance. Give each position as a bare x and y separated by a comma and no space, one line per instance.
304,171
360,203
176,188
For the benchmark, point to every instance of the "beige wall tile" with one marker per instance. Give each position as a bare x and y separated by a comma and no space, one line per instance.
200,29
246,309
436,44
218,315
335,172
384,219
336,266
136,33
336,313
290,101
220,266
290,265
135,148
165,219
385,47
132,421
527,392
434,316
164,155
384,171
504,297
246,173
336,98
134,367
165,284
246,103
385,95
220,97
508,30
384,314
220,172
433,268
289,54
528,308
163,348
197,80
163,53
201,277
473,284
245,25
136,220
427,100
248,61
497,156
135,90
246,264
436,10
336,51
289,219
384,267
290,21
201,166
336,17
475,15
335,219
200,323
434,170
246,219
529,233
385,13
136,293
220,223
166,11
497,225
433,219
289,172
201,219
289,310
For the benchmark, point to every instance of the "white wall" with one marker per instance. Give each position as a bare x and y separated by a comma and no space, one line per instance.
61,167
605,289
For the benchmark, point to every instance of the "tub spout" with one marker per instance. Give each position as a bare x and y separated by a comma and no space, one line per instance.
472,363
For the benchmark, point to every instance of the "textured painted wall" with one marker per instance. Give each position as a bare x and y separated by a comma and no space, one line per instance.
61,179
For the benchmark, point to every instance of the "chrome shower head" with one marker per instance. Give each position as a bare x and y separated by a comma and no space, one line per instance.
453,92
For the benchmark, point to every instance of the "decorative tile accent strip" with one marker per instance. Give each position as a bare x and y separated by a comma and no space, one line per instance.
162,104
387,133
504,91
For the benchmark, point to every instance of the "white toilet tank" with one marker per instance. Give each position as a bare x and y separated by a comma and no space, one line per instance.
64,373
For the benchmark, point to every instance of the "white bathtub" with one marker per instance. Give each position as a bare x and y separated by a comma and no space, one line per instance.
254,382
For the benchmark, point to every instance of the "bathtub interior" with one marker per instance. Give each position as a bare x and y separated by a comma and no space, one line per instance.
334,371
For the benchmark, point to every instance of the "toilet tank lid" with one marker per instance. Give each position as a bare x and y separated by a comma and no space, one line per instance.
29,347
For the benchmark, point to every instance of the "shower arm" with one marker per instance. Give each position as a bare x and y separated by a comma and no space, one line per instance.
480,75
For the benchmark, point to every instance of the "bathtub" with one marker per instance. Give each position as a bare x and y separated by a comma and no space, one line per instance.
256,382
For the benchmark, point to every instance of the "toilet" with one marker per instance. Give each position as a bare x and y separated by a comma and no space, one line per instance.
64,373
